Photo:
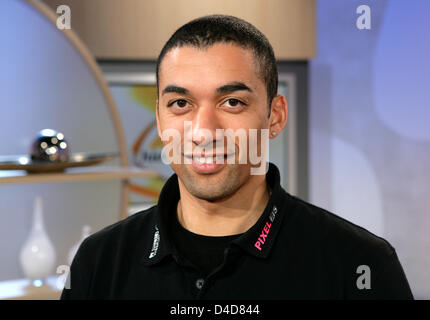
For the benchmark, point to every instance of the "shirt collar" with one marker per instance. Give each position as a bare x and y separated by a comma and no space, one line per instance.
160,245
257,241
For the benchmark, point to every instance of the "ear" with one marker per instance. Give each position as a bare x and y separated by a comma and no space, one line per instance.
278,115
157,117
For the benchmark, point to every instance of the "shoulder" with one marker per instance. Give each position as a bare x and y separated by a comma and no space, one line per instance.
99,254
127,230
333,232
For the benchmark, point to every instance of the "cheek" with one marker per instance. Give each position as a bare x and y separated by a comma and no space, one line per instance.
254,117
171,134
248,120
168,121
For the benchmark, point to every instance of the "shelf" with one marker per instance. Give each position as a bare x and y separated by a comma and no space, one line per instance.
21,289
96,173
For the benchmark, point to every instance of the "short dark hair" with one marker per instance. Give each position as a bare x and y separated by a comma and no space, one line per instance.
209,30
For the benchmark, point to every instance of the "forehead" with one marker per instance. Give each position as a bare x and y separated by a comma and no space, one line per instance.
212,66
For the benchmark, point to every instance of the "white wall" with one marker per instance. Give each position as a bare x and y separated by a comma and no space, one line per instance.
44,83
370,139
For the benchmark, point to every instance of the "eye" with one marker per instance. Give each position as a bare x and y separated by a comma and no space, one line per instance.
180,103
233,103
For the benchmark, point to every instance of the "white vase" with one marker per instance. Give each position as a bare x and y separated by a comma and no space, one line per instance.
37,256
86,229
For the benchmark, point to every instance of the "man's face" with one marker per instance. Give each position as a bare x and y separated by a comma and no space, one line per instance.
213,88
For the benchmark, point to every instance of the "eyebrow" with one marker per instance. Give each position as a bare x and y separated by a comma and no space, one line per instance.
227,88
175,89
232,87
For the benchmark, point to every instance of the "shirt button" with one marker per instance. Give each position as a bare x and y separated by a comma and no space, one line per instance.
200,283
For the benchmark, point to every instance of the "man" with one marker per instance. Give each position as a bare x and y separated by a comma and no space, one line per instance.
221,231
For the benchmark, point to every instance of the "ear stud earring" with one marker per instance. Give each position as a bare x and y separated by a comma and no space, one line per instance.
274,133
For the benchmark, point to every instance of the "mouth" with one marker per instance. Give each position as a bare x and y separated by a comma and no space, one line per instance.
207,164
210,158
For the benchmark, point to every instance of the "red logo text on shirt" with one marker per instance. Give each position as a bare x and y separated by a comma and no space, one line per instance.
266,229
262,238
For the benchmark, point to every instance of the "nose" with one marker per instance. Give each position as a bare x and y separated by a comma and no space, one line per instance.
205,123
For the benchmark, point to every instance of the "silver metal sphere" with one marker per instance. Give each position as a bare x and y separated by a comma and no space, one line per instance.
50,146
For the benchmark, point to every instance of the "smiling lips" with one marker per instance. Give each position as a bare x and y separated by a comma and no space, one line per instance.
208,158
208,164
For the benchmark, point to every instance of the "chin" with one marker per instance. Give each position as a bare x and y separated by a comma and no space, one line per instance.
211,187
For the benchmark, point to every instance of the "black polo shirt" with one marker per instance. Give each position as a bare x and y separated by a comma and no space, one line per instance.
294,251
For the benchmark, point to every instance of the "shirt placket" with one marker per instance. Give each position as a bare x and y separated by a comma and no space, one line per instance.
210,279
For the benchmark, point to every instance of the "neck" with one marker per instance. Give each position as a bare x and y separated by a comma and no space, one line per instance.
229,216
